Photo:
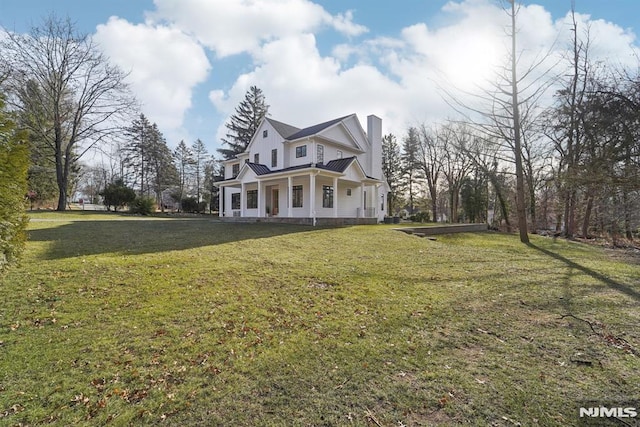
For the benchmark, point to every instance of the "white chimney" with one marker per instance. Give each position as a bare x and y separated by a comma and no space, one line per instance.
374,134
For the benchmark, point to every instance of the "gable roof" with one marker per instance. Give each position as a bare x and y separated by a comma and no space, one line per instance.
312,130
282,128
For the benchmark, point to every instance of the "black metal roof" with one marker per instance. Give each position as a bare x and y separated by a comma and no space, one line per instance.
259,169
338,165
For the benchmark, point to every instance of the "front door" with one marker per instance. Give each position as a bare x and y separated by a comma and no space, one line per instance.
274,201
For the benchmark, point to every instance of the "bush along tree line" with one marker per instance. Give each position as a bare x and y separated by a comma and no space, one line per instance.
575,171
14,161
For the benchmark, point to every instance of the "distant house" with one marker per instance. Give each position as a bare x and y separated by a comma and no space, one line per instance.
329,170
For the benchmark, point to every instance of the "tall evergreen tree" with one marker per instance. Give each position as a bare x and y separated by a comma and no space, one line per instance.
141,137
411,166
244,123
200,155
392,170
162,171
183,157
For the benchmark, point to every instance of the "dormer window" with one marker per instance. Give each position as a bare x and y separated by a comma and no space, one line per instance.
265,133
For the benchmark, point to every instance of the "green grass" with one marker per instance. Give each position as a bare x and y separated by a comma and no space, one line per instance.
127,320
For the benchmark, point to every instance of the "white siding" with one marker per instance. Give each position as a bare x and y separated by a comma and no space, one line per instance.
296,161
348,205
263,145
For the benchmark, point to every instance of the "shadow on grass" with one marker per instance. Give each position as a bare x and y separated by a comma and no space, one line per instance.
141,236
620,287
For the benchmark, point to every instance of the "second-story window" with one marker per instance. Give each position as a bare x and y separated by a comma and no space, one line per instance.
256,158
301,151
235,169
320,153
265,133
274,157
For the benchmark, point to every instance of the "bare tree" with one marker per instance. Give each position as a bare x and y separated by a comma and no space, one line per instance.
497,110
430,155
80,94
455,163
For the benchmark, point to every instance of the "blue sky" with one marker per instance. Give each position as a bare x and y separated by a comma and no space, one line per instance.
191,61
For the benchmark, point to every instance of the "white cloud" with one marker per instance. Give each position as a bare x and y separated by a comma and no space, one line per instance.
302,87
165,65
232,27
398,78
608,42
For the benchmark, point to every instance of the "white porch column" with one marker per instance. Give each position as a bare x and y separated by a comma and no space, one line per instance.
221,201
376,201
242,199
312,197
289,197
335,197
362,203
260,208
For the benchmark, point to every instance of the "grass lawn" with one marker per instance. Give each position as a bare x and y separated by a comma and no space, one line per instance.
142,321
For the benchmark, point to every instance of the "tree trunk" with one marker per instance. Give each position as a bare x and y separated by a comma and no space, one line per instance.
517,143
570,213
434,207
627,215
532,199
587,216
61,180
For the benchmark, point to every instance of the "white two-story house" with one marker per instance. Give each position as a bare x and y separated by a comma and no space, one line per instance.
329,170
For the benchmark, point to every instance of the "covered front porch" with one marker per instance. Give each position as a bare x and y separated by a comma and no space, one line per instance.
311,195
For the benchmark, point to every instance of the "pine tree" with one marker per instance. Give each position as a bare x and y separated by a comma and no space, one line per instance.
411,164
140,137
200,155
161,169
392,169
244,123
